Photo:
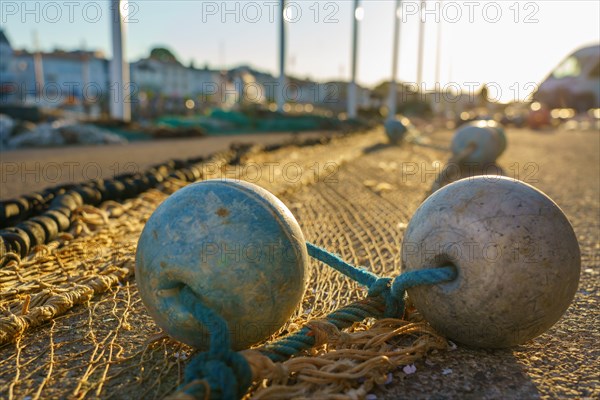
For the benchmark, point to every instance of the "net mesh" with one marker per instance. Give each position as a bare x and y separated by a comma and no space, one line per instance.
72,323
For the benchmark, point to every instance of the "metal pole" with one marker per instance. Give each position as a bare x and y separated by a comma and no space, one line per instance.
450,73
282,81
85,77
392,95
352,100
119,101
38,67
421,45
438,52
438,62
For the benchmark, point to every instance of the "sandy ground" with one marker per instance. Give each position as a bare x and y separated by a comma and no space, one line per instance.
27,170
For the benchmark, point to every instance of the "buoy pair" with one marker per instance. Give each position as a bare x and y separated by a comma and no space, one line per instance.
243,254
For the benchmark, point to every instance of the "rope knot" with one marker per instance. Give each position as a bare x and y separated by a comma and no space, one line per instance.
227,376
219,373
394,301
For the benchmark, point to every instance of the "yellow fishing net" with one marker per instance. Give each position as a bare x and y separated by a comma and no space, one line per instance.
72,324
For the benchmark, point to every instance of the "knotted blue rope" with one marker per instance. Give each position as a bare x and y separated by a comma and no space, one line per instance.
394,304
391,290
225,371
227,374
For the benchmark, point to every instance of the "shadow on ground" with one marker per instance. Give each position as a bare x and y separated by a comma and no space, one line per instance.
453,171
467,373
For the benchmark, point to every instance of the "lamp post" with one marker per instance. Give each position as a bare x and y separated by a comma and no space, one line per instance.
282,81
357,15
395,51
38,66
119,108
438,52
421,46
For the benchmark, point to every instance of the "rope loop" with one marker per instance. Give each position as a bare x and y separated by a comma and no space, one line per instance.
419,277
228,377
226,372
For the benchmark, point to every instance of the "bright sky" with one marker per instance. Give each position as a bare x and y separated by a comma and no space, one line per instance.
509,43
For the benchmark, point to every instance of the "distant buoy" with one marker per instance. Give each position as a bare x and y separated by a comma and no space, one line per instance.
480,142
395,130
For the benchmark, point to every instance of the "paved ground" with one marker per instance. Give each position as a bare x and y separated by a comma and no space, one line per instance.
26,170
374,195
362,209
564,362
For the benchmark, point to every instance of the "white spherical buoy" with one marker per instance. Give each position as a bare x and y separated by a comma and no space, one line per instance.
488,143
501,135
236,247
515,252
497,127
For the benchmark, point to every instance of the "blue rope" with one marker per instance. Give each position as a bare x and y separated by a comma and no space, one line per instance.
228,374
359,275
391,290
301,340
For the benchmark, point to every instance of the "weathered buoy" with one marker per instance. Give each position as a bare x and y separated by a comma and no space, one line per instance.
395,130
487,142
236,246
501,135
515,252
497,127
